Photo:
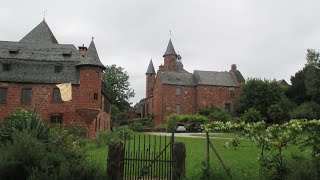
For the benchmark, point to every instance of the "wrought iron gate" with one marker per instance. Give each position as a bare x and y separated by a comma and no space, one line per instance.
148,157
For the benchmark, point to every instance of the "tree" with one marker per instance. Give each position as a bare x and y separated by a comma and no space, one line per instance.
260,94
312,81
118,90
298,91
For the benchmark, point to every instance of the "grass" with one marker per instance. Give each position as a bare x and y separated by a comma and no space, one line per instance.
243,161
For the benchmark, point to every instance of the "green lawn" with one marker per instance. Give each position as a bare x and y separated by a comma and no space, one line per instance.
242,161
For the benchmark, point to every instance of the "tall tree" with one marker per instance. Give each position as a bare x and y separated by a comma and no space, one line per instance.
312,80
118,86
298,91
260,94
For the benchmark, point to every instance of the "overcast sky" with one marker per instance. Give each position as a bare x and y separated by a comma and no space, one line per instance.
266,39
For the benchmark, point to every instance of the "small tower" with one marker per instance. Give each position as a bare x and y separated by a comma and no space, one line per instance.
150,79
170,58
90,68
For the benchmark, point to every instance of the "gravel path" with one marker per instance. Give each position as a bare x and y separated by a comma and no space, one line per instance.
188,135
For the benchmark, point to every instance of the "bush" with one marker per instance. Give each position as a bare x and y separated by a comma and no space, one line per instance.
206,111
220,115
172,121
142,121
23,120
252,115
307,110
161,128
120,133
276,113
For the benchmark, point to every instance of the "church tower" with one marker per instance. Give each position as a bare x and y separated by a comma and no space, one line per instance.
150,79
170,58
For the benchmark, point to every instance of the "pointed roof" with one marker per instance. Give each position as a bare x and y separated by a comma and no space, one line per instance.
40,34
170,49
91,58
150,69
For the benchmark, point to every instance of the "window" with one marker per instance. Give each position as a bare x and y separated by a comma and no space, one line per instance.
6,67
56,94
178,109
26,95
95,96
227,107
231,93
56,119
178,91
57,68
106,106
3,95
97,75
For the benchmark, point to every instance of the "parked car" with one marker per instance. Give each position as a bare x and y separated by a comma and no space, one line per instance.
181,128
194,128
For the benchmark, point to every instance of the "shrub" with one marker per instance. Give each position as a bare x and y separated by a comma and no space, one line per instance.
252,115
307,110
23,120
206,111
161,128
172,121
120,133
276,113
220,115
142,121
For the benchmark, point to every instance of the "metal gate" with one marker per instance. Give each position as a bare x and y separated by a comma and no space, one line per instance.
148,157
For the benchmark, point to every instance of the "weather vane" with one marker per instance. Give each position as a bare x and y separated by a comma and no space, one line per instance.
44,14
170,34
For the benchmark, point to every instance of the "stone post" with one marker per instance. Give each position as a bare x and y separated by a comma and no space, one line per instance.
179,161
115,160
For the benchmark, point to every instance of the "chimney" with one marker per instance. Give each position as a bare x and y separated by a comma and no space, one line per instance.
161,68
83,50
233,67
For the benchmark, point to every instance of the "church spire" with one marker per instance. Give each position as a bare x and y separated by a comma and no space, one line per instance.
150,69
170,49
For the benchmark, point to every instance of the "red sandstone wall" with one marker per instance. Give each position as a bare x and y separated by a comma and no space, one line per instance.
157,102
42,101
215,96
82,98
186,100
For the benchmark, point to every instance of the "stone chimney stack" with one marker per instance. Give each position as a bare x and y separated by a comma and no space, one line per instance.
83,50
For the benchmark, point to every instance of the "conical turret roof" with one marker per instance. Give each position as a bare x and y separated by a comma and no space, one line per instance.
91,58
150,69
40,34
170,49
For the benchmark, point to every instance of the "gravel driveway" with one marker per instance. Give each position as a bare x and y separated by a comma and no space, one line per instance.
188,135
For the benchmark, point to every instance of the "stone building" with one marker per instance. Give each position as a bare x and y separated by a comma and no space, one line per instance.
31,68
172,89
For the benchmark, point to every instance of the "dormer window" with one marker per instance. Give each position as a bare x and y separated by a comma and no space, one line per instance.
13,51
57,68
6,67
66,53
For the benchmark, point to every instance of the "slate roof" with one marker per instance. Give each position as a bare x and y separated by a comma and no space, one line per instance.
33,59
91,58
40,34
170,49
150,69
177,78
212,78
